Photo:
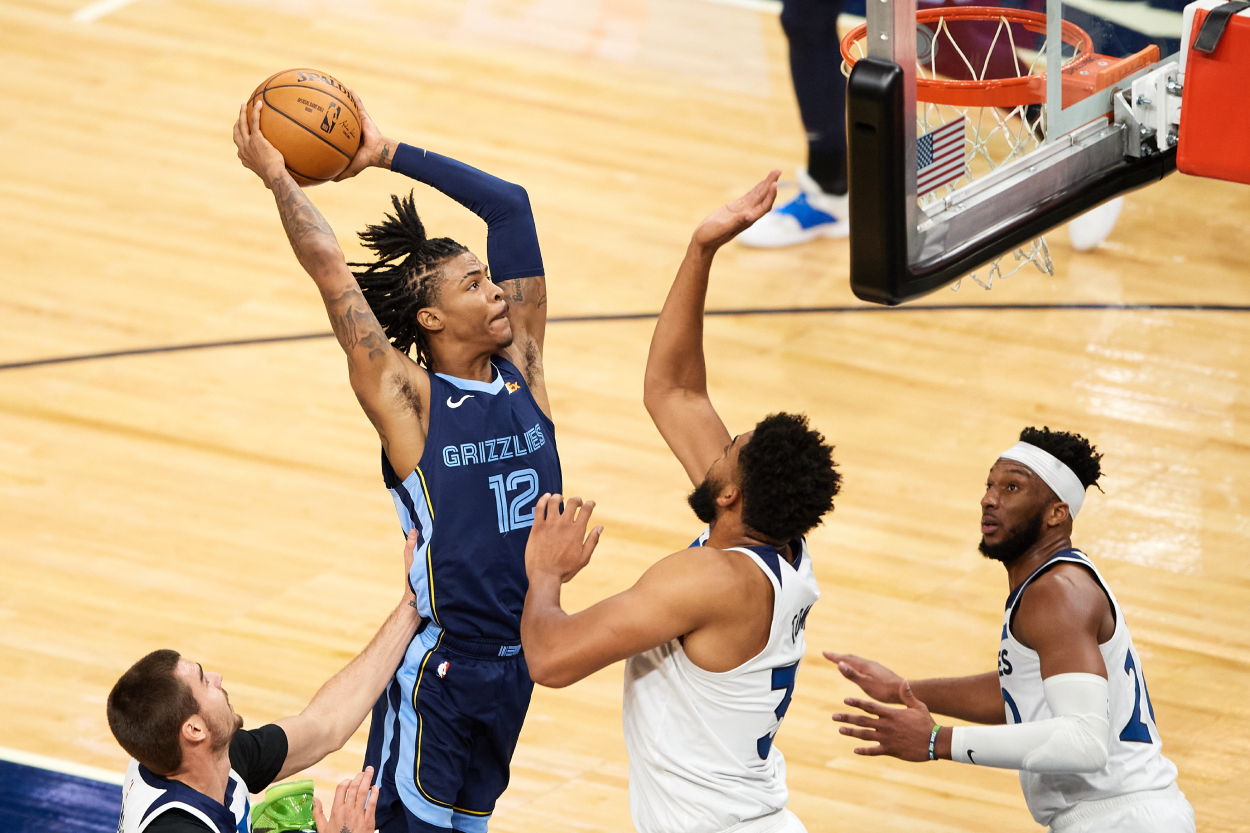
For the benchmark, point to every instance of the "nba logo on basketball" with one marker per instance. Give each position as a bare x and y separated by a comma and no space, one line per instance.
442,669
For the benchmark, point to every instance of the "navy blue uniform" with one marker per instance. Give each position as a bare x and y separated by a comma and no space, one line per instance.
444,731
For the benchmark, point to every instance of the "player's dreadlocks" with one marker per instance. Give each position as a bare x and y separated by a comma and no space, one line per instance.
406,276
787,477
1073,450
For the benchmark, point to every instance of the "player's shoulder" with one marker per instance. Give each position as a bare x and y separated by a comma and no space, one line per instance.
1063,579
1067,592
177,821
713,572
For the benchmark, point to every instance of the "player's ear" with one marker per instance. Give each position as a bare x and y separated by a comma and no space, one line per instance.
194,730
729,494
430,319
1057,514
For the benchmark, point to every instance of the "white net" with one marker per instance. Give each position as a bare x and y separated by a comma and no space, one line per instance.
980,51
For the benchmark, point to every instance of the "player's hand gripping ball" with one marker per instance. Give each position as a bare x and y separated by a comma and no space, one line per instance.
313,119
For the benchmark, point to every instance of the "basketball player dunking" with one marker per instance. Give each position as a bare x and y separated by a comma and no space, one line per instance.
713,634
467,448
1069,685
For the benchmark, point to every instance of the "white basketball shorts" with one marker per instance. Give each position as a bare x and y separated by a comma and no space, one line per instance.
782,821
1156,811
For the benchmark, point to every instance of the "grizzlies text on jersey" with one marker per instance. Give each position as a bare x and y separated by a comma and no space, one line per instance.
444,731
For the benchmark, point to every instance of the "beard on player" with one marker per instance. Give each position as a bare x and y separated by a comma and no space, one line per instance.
1018,541
703,500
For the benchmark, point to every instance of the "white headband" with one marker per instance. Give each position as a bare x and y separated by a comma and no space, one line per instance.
1061,479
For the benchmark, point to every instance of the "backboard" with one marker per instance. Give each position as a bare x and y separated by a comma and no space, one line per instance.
1039,147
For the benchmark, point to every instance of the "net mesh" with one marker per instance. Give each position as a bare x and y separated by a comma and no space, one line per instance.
982,50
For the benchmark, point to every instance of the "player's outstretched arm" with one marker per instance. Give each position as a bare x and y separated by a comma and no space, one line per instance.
1061,617
378,372
342,704
675,387
681,593
512,248
976,699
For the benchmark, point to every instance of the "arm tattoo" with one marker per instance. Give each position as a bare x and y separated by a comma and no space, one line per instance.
356,327
532,290
301,219
385,155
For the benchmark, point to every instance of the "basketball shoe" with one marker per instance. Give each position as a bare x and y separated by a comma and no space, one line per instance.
811,214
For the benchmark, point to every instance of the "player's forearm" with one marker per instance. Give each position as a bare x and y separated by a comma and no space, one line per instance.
343,702
546,638
676,362
512,239
313,241
357,329
977,699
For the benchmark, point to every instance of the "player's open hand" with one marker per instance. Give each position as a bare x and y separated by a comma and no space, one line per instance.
877,681
900,733
255,152
558,543
375,149
730,220
355,803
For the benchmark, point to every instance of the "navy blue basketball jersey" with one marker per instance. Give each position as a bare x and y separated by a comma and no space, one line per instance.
489,455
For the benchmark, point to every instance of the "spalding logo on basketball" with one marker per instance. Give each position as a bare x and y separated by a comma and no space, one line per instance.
313,119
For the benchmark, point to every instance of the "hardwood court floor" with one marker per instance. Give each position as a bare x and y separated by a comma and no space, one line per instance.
227,502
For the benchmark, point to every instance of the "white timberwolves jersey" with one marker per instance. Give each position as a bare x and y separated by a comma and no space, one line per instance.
146,796
701,753
1135,760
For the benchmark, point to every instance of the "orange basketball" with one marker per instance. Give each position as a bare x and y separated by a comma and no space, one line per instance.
313,119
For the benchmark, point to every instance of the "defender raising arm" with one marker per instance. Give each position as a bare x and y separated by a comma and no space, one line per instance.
712,634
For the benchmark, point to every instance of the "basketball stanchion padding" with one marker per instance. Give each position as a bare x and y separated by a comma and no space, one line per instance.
313,119
1215,119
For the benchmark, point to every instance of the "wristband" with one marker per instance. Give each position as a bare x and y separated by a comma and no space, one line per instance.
933,741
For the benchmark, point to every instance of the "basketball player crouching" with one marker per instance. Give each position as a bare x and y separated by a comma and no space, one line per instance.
713,634
193,764
1070,684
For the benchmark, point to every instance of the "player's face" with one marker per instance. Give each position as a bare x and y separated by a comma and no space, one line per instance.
475,308
214,702
724,470
1011,510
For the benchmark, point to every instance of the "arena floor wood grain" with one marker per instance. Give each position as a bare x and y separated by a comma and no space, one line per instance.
227,502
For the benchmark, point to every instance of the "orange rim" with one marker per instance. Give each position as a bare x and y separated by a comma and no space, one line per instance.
993,92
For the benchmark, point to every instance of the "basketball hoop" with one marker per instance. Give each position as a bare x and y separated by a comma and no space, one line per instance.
970,66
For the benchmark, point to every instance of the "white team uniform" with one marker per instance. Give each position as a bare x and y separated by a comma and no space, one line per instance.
1138,785
701,753
146,796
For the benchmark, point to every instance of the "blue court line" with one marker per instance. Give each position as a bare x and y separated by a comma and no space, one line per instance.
37,800
642,316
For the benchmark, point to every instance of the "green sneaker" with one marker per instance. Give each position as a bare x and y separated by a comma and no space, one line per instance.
287,807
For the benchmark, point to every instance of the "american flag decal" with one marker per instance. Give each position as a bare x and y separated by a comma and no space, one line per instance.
940,156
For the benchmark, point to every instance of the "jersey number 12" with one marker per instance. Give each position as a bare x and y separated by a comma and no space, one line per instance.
511,514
